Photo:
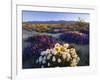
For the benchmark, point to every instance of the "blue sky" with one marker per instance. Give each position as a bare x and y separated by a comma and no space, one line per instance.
52,16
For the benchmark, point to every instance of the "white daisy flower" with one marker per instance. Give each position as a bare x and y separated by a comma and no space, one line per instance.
43,53
48,64
73,64
47,51
74,61
54,51
40,58
57,45
59,60
74,55
72,50
49,56
62,52
67,50
43,61
68,57
44,57
64,56
66,45
53,59
78,59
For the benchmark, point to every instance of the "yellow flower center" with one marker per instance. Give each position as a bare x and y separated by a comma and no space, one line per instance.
58,49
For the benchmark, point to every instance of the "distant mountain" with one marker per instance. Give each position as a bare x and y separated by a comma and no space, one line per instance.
50,22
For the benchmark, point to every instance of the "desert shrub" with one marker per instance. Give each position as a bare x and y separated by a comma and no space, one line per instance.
59,56
41,27
75,37
27,26
84,31
41,44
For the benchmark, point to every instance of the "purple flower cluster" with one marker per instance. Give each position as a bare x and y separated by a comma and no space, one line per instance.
75,37
84,31
42,42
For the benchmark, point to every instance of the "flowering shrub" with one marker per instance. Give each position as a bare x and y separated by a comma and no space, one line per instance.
84,31
47,51
75,37
59,56
42,42
38,43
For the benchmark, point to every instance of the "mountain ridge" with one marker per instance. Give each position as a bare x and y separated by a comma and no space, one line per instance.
51,22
